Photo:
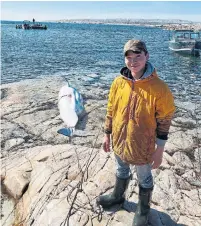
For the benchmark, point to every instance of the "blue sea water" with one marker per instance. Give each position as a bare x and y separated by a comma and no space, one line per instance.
94,53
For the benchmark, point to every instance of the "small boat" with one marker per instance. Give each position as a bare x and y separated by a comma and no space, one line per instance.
27,25
18,26
186,41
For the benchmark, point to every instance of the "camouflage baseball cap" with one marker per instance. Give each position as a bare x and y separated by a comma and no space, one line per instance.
136,46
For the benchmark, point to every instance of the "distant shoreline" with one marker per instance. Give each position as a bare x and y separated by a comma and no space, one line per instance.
163,24
154,23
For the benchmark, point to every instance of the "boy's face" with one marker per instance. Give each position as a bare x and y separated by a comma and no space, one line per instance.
135,61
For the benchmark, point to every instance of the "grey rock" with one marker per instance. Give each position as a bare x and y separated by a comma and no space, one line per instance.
16,183
9,144
58,179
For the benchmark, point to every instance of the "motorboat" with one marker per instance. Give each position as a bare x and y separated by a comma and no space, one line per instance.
27,25
186,41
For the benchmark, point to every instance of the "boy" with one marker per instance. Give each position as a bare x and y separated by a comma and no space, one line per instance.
139,113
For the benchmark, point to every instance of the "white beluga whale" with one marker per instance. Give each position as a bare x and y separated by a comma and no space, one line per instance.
70,104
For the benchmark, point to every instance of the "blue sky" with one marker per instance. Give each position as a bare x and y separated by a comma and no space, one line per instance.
52,10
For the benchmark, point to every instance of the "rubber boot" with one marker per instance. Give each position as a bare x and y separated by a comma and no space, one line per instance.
117,196
143,207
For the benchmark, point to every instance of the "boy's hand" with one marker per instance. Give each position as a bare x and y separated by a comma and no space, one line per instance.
106,143
157,157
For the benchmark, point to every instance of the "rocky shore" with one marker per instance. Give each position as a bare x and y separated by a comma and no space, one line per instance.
164,24
54,180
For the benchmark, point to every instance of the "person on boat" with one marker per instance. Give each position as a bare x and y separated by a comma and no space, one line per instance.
33,20
139,112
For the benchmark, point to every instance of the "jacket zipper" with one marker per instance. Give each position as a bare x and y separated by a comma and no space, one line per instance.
128,111
129,103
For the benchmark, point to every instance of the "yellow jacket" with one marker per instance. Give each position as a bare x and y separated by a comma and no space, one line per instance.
137,112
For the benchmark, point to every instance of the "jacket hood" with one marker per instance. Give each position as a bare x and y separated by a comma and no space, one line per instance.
127,73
